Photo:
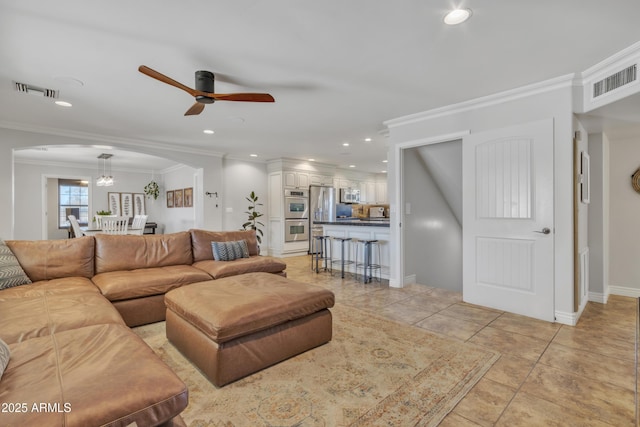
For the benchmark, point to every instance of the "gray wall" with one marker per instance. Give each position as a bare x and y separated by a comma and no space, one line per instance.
433,234
599,218
624,212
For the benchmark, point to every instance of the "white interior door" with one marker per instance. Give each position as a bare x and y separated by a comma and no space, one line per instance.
508,219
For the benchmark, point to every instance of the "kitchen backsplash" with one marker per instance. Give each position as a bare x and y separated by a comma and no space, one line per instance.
362,211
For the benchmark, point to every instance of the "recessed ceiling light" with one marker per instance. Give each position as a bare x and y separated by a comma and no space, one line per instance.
385,161
352,166
457,16
208,131
312,160
383,171
367,140
345,144
253,155
63,103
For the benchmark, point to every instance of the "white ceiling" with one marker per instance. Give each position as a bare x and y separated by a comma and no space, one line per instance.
337,69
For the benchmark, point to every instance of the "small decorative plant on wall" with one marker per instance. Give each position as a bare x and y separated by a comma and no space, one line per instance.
152,189
252,221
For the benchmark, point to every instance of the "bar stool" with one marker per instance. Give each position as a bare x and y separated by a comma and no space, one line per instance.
343,260
321,254
368,266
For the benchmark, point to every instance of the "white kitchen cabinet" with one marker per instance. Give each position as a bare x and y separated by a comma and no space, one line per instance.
315,179
290,179
303,180
347,183
381,192
296,179
368,192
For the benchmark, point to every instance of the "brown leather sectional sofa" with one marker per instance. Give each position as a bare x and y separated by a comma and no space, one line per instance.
74,360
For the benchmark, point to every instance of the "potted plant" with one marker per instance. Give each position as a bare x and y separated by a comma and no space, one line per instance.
152,189
252,221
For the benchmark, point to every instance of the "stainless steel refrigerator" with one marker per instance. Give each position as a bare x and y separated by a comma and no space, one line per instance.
322,207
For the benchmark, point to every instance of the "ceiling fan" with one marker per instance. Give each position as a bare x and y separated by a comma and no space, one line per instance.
203,92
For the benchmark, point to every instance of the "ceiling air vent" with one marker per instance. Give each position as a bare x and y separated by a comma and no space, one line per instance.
614,81
35,90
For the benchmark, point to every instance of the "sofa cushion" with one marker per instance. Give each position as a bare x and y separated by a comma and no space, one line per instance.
5,354
53,259
228,251
96,375
11,273
129,252
236,306
253,264
201,241
51,287
125,284
37,316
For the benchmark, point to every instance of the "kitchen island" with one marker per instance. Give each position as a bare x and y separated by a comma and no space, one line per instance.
364,229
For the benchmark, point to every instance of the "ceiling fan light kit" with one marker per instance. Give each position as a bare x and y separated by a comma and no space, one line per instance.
205,83
204,92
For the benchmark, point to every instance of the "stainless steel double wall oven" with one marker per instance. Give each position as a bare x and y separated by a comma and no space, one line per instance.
296,215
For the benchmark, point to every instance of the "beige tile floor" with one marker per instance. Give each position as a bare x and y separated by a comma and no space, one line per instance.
548,375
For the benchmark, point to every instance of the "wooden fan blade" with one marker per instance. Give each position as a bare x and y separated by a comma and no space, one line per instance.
195,109
168,80
248,97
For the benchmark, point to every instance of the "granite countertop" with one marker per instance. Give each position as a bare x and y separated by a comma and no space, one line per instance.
358,222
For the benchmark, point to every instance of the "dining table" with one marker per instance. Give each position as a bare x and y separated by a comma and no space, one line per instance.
93,231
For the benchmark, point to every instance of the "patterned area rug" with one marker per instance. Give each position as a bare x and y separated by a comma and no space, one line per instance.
375,372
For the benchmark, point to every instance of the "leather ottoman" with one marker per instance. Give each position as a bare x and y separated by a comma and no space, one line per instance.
235,326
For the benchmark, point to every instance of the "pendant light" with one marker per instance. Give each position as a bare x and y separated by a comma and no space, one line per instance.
105,179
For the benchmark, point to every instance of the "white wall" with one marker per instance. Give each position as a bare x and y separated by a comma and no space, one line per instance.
31,202
624,213
209,168
179,218
433,245
545,100
240,179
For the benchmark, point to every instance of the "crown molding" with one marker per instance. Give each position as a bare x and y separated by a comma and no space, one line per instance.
565,81
110,140
93,169
614,61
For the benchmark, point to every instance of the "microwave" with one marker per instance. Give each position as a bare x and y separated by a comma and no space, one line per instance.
349,195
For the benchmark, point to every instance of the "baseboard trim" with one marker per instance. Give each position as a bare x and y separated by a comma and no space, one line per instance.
599,297
624,291
570,319
410,279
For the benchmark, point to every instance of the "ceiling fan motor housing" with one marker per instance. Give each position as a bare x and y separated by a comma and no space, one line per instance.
204,83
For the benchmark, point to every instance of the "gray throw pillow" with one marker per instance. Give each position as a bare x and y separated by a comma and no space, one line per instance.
11,273
4,356
228,251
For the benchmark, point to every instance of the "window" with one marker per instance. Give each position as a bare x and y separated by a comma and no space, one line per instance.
73,199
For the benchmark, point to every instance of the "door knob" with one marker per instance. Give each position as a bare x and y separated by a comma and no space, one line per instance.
544,231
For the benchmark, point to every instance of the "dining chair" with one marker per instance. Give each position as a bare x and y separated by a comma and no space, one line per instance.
75,226
98,219
139,221
115,224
